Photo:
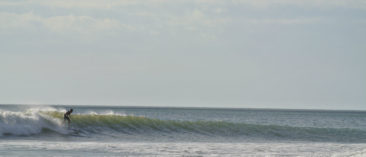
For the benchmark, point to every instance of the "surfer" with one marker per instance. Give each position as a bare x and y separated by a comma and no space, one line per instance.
67,116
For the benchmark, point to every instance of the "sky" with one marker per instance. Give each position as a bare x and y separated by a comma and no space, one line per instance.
298,54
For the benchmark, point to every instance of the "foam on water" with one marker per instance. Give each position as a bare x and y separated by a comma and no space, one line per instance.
28,122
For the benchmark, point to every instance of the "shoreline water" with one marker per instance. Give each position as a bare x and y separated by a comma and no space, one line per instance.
96,148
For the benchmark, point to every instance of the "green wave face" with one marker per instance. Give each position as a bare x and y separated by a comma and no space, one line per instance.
137,123
98,120
142,125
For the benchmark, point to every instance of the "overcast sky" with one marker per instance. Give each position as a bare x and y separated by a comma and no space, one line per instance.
205,53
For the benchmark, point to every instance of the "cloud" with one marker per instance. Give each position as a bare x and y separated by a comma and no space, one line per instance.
69,23
204,18
283,21
85,4
197,18
108,4
146,23
304,3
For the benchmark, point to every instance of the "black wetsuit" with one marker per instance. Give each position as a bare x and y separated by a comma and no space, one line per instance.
67,116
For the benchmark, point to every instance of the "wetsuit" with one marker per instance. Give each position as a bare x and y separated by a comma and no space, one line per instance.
67,116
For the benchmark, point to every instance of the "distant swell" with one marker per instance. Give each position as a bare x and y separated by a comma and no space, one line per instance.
94,124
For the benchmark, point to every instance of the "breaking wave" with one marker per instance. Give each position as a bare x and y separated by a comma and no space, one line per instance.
42,122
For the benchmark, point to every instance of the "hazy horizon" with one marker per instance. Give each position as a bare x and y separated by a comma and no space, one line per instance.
75,106
303,54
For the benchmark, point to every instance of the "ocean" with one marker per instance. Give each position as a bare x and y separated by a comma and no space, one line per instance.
39,130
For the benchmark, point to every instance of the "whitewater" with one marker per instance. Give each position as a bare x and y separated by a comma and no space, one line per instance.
39,130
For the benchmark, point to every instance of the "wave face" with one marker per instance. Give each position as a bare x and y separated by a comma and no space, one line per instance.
36,123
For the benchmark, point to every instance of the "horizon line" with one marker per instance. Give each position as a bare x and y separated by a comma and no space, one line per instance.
188,107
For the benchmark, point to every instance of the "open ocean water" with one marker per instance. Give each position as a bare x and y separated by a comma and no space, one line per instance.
148,131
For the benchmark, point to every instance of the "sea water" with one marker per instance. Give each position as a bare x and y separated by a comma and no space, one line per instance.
150,131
